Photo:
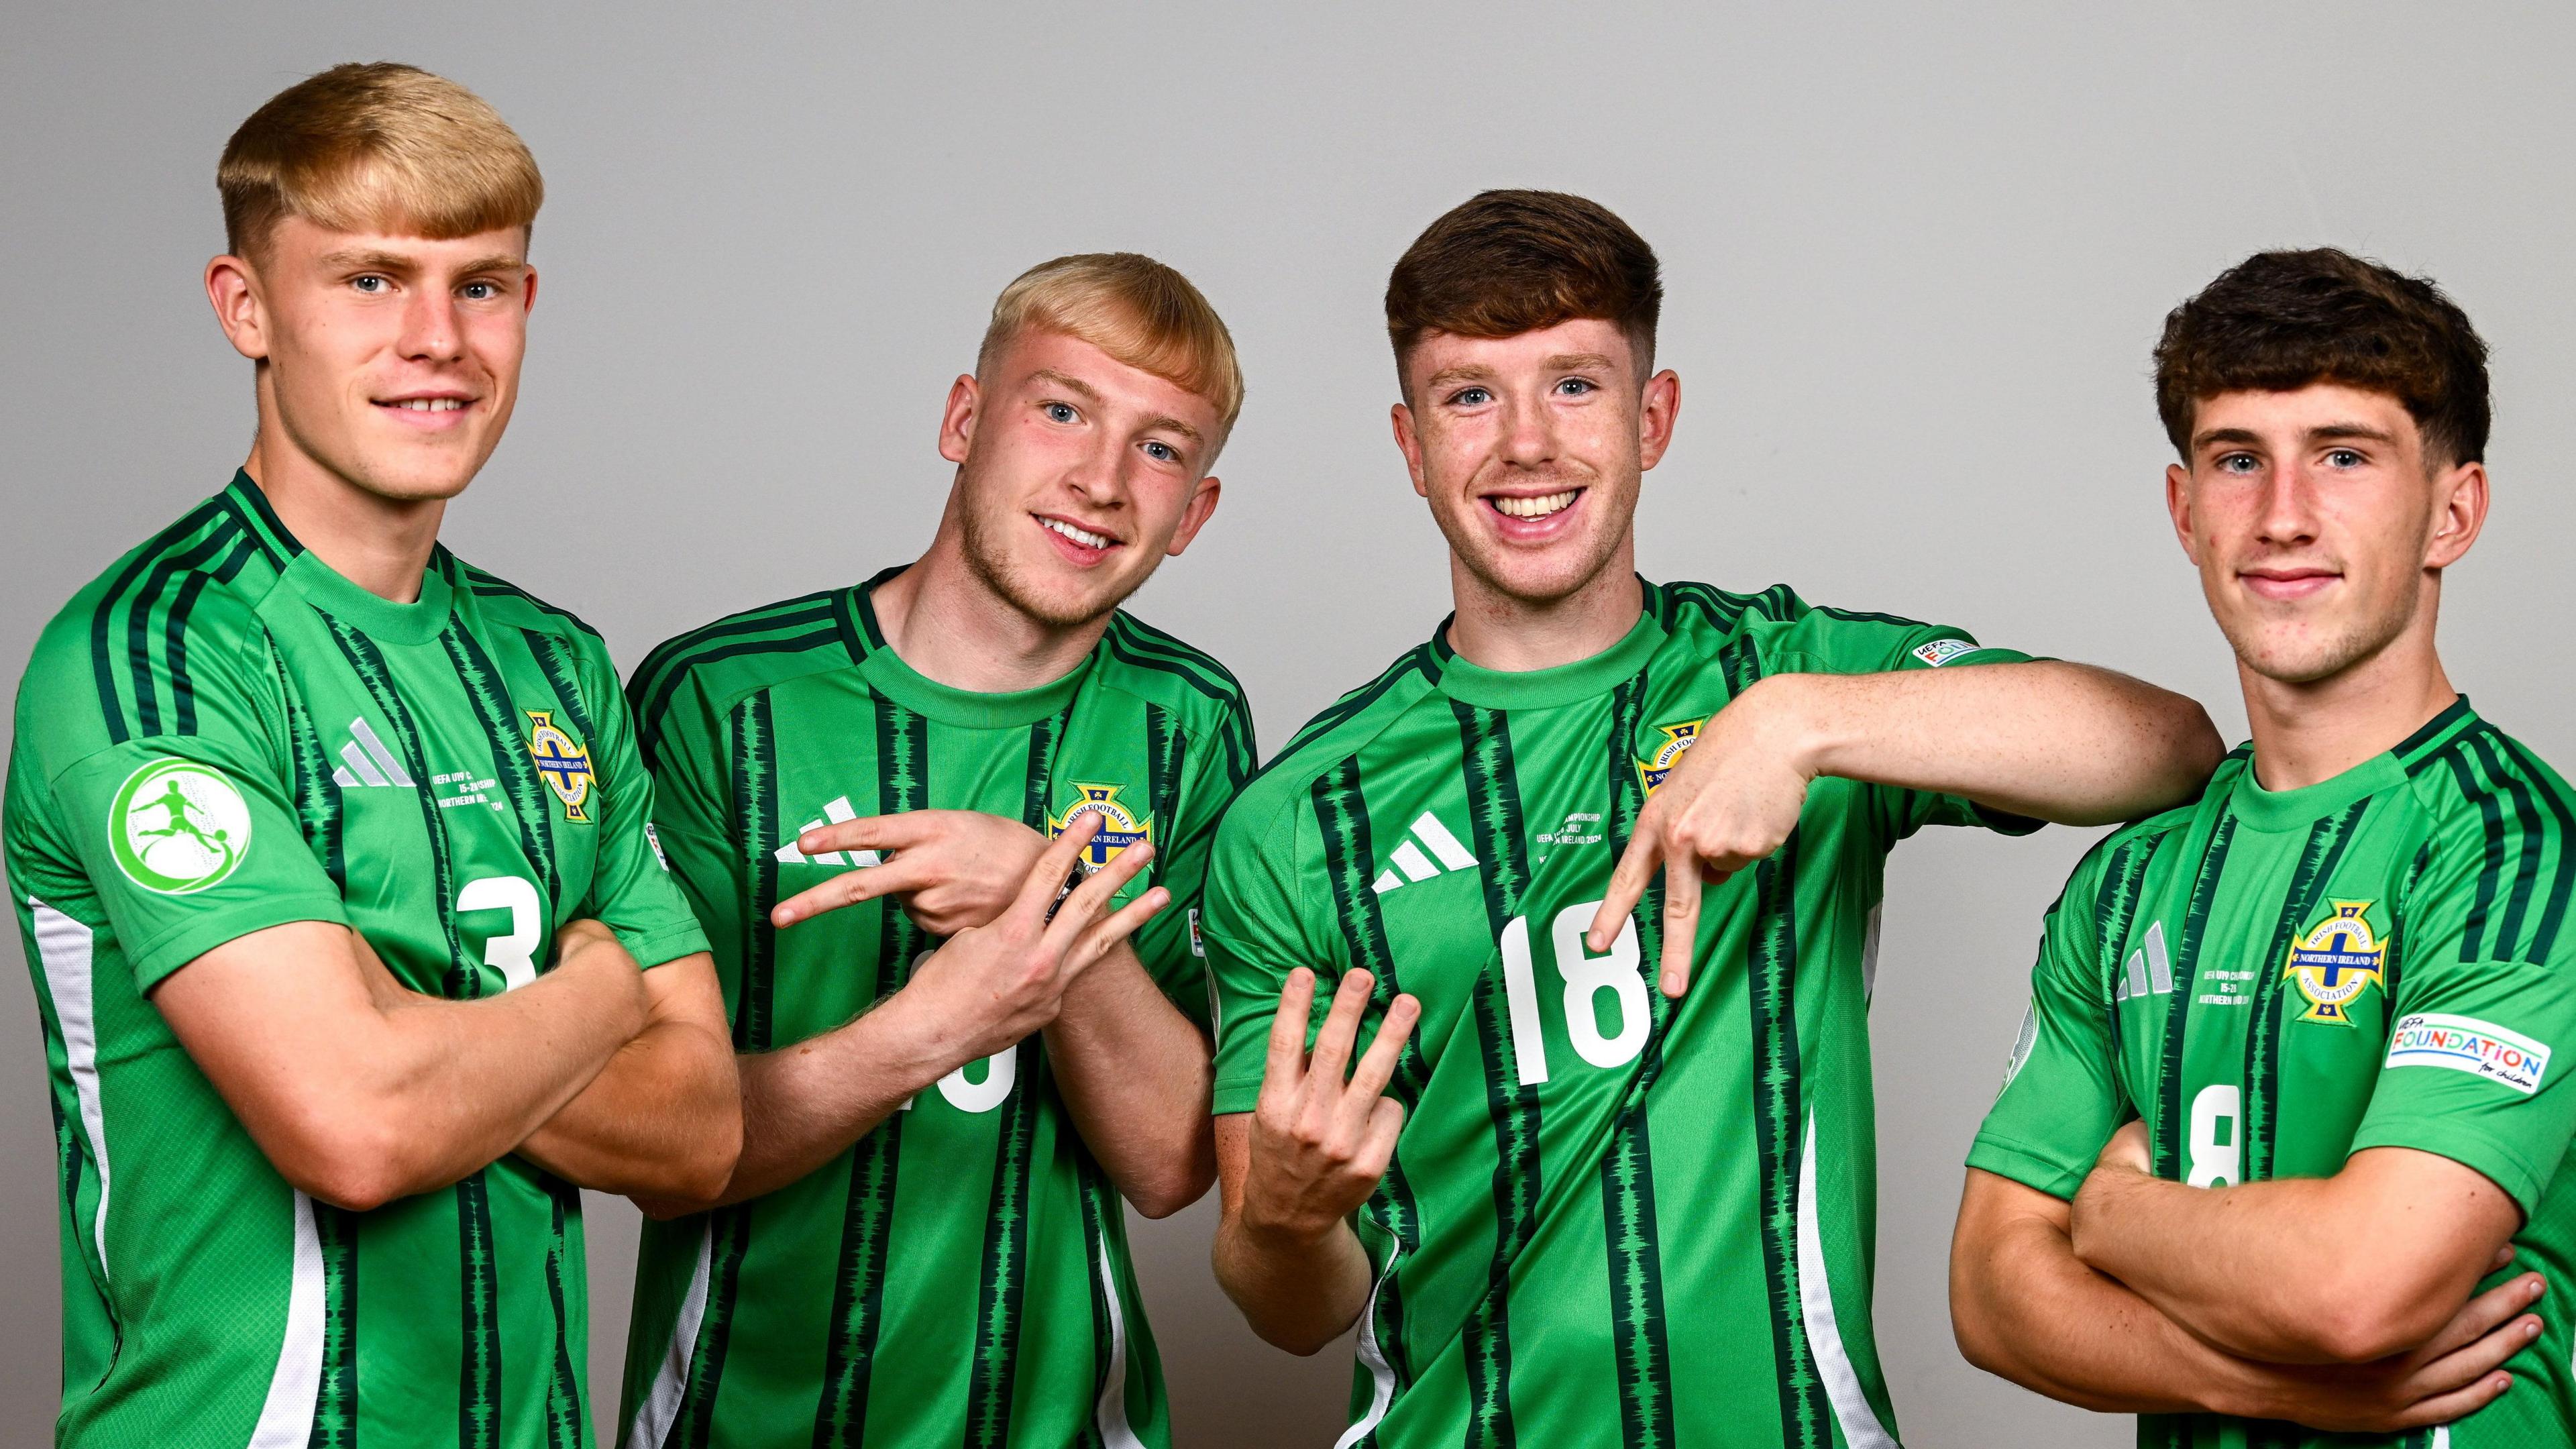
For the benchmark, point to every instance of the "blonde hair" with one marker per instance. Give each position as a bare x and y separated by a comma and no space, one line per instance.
376,147
1132,307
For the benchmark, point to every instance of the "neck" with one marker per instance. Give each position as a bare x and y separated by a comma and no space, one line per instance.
944,620
380,544
1493,630
2313,731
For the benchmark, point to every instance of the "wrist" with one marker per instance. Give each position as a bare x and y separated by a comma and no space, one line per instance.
1281,1234
908,1042
1792,722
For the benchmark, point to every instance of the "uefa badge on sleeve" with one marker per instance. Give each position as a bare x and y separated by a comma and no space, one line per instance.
177,827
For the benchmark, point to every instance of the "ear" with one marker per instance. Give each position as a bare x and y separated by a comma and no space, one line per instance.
233,288
1662,406
1201,507
2460,511
1409,445
957,421
528,292
2178,506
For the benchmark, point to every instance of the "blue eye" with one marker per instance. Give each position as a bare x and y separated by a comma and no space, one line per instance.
369,284
1473,397
2343,458
480,291
1575,386
1162,453
2238,463
1059,412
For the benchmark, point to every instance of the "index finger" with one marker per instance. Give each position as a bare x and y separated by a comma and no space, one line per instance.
1681,926
1628,883
1287,1062
1054,868
867,832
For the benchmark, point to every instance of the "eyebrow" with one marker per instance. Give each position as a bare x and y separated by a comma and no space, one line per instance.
2323,433
1068,383
1577,362
356,260
1461,372
1174,425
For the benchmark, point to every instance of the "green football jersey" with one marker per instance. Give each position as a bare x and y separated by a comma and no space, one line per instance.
1611,1219
2274,980
220,735
960,1275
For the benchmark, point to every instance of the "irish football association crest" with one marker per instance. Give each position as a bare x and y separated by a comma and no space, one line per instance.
1677,738
562,764
1119,827
2335,962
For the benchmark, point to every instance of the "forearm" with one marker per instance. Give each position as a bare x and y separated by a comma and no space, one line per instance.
1296,1293
2058,741
2026,1308
802,1104
1135,1073
663,1119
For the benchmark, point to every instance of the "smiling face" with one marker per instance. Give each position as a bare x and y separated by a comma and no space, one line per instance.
391,361
2319,526
1077,475
1531,450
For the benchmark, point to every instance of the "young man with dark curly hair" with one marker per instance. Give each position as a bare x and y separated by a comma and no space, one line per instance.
2314,1014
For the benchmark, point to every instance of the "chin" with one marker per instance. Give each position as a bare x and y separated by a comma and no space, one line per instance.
1047,596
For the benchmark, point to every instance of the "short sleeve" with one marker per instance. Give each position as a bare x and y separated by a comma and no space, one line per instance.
631,891
1173,945
190,841
2060,1100
691,829
2485,998
1255,936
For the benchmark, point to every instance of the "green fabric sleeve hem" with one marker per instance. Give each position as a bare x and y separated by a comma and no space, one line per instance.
2445,1137
191,939
2032,1169
1235,1094
664,946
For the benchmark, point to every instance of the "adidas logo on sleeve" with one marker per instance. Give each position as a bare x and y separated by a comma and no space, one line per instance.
1409,863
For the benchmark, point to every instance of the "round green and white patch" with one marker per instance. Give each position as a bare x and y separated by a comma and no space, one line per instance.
178,826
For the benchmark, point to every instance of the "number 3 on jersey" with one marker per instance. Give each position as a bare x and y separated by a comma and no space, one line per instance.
1586,977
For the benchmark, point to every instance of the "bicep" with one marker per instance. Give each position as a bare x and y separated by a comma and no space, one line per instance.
684,992
2430,1218
273,1019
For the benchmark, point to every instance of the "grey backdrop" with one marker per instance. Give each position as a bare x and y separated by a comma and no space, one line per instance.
1915,262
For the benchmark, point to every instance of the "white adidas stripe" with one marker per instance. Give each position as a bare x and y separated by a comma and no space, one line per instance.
366,761
834,813
1408,863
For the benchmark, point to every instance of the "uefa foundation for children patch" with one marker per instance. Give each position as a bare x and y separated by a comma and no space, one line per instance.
2466,1044
177,827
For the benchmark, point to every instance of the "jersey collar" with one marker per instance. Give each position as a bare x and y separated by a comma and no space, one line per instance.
965,708
378,617
2262,809
1562,684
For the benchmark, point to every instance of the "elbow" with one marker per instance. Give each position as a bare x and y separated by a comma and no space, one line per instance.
1175,1190
2355,1320
359,1165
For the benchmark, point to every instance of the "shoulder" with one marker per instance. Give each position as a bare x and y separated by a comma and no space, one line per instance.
1778,622
1164,670
2464,769
719,664
1333,736
126,657
508,605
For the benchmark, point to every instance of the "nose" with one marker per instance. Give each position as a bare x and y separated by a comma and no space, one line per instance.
1099,472
430,327
1529,436
2286,512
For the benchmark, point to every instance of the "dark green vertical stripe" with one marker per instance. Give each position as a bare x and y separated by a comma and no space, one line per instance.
103,656
555,658
335,1398
2473,934
567,1422
2262,1105
318,806
532,804
867,1219
1628,1171
1098,1200
2169,1126
140,617
1004,1280
1778,1127
2115,910
369,663
174,644
753,767
1494,814
2562,839
478,1394
1341,813
2528,840
1166,753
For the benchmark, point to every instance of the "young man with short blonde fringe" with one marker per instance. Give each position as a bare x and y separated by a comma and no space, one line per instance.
924,1241
333,857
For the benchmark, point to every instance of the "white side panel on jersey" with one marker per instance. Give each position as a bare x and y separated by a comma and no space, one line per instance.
63,944
286,1420
1860,1426
671,1381
1111,1416
1869,954
1382,1392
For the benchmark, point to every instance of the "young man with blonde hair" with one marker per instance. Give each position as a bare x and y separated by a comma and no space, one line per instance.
334,859
924,1240
1571,1208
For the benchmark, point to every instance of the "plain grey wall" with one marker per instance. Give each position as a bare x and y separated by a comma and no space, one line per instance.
1915,262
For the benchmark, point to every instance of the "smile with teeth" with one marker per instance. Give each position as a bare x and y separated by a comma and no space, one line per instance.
1082,536
1539,507
429,404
